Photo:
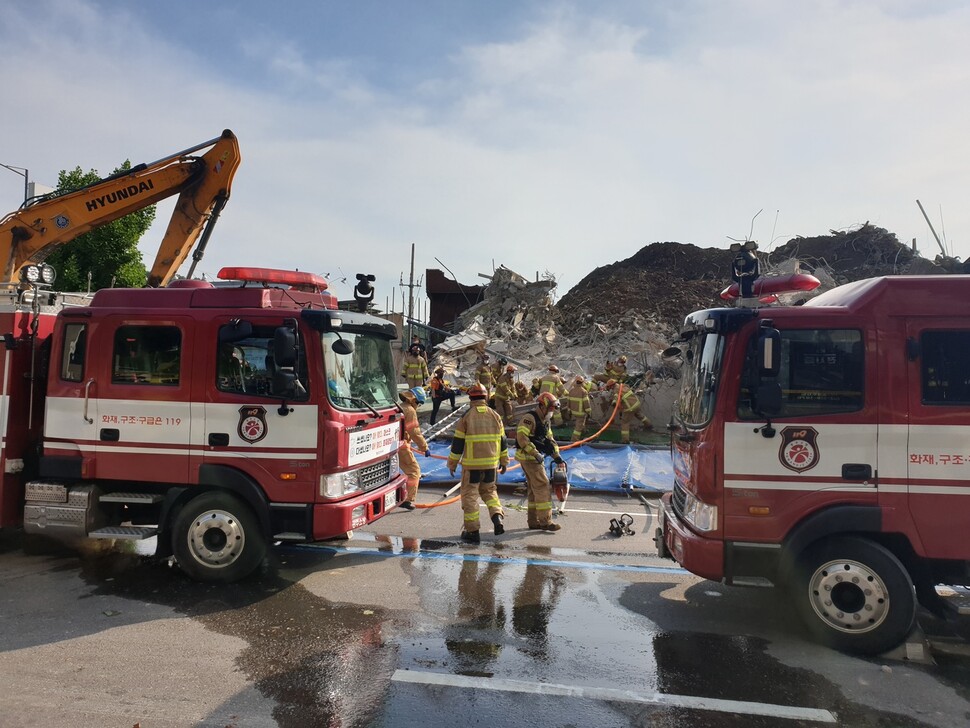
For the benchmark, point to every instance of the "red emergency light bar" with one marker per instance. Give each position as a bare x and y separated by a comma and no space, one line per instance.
764,287
293,278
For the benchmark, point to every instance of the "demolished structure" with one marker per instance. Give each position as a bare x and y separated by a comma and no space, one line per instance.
635,308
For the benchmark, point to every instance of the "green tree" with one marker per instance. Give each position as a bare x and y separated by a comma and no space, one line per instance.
109,252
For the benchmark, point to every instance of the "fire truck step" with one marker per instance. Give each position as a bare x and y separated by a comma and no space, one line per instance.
290,536
134,533
141,499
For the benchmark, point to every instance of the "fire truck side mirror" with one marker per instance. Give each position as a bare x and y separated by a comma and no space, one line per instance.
285,383
284,347
769,353
768,399
236,330
342,346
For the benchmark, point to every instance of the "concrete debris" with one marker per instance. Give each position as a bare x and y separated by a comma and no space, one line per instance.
636,307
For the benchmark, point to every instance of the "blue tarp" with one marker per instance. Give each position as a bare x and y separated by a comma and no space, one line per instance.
591,467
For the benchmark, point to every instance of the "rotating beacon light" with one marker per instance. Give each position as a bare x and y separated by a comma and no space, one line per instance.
364,291
745,268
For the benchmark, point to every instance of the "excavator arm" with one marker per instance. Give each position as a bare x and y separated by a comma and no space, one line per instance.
202,182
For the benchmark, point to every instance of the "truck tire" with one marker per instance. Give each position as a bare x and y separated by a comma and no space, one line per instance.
216,537
854,595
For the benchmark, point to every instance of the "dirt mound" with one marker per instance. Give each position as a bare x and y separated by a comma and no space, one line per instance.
663,282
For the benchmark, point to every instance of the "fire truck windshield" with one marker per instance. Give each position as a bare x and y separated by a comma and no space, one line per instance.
700,376
362,379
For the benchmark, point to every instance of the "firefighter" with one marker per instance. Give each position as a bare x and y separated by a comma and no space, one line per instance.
412,433
479,446
505,393
498,369
483,375
536,387
522,393
619,370
613,370
414,369
631,409
422,349
534,440
580,408
552,382
440,391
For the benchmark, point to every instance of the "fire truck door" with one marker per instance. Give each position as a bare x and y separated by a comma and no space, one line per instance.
937,454
244,428
822,446
141,399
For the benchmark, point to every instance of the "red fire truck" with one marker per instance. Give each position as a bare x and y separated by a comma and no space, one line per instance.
216,418
826,448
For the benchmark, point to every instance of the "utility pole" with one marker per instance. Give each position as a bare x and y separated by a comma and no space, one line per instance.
22,171
411,285
411,297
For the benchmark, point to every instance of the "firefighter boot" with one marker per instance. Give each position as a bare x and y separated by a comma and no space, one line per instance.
407,505
471,536
551,526
497,522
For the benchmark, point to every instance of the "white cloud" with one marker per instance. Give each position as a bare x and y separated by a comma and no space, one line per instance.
569,144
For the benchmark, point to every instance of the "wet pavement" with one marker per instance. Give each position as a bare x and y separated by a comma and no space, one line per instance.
404,625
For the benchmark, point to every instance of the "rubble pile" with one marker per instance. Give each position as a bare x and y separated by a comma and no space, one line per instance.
845,256
636,306
516,314
664,282
656,287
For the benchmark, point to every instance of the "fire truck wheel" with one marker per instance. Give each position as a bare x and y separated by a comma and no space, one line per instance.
216,537
854,595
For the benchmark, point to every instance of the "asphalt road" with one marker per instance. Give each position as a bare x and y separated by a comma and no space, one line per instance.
405,625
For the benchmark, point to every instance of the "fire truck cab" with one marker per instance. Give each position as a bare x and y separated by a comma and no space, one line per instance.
216,418
825,448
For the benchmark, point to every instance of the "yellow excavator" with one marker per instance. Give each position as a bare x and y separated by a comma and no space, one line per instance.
30,234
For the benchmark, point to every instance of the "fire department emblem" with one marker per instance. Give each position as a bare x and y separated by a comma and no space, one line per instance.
799,448
252,424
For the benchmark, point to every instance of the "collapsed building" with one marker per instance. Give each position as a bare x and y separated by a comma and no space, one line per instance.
636,306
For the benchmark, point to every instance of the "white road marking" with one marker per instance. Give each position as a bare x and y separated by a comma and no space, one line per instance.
741,707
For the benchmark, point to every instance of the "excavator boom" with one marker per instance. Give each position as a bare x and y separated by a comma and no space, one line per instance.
202,182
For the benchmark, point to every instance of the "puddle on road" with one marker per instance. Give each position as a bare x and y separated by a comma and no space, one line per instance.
529,621
322,664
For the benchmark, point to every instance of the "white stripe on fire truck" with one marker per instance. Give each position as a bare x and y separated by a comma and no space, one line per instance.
182,452
805,485
809,486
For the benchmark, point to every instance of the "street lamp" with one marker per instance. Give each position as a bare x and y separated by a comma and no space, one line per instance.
22,171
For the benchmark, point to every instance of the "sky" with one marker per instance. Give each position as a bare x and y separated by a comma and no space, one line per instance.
549,137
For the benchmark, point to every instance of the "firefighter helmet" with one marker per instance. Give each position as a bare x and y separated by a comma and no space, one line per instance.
622,359
408,396
553,368
477,391
510,368
610,384
548,400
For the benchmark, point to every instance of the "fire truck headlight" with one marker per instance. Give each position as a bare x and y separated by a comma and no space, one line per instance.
337,485
701,515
